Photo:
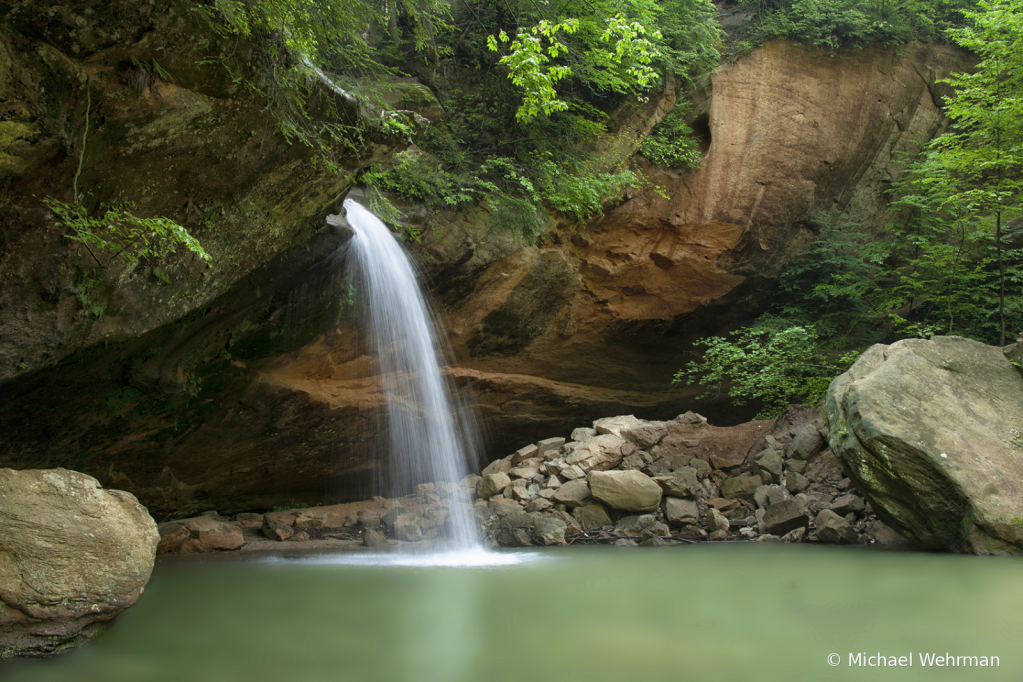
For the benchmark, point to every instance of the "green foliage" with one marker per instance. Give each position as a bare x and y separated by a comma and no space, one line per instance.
958,194
525,130
615,55
83,290
850,23
291,504
774,367
123,234
831,286
671,143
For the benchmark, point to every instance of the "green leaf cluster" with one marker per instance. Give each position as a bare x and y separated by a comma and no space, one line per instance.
851,23
124,235
671,143
774,368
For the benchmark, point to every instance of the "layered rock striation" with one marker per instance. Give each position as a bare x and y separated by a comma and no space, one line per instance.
930,430
72,556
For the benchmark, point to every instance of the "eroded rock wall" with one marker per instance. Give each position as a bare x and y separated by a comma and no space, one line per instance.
256,390
147,107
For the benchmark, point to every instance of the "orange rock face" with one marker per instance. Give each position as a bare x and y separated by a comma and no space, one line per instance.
592,323
596,323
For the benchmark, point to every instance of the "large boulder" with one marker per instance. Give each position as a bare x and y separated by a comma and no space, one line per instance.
72,556
930,431
627,490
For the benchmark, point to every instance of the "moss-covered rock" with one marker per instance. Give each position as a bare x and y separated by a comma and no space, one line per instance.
932,432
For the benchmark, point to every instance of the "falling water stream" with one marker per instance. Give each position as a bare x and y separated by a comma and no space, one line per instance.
430,433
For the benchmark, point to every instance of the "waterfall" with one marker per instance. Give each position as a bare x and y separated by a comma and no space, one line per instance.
431,436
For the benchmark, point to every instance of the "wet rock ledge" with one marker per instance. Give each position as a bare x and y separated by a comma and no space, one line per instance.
622,481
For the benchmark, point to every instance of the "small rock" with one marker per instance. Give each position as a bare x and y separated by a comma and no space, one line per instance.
884,535
499,466
300,536
591,516
690,418
553,482
491,484
680,512
368,518
769,463
796,465
572,525
503,506
486,520
721,504
616,425
523,472
702,467
525,453
716,521
646,435
548,493
548,445
276,530
374,539
583,434
470,481
518,490
718,535
682,483
539,505
653,542
573,493
172,535
794,536
249,520
514,537
806,444
549,531
308,522
741,487
784,516
766,495
719,462
626,490
636,525
847,504
795,482
406,527
832,529
572,472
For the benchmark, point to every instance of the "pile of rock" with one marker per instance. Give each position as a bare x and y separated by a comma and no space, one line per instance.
623,480
642,482
424,515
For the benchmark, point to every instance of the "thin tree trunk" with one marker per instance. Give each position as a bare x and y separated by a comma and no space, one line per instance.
392,22
431,51
952,277
1001,273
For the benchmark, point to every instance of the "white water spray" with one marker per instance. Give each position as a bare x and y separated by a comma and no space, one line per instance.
429,440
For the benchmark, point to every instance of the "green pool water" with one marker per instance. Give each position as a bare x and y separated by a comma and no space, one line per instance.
727,612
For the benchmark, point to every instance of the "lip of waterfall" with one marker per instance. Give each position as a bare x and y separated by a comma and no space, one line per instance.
431,434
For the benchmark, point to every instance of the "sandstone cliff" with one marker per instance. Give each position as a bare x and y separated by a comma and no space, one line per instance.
248,387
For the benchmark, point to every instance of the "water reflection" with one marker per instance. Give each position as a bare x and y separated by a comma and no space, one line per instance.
749,612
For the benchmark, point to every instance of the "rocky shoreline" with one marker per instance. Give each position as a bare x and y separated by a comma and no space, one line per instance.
622,481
